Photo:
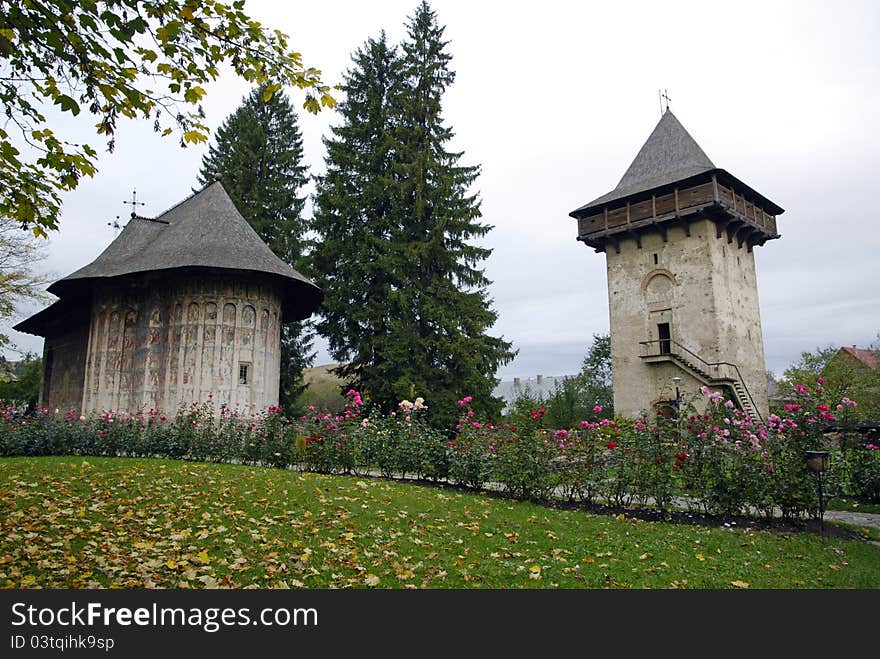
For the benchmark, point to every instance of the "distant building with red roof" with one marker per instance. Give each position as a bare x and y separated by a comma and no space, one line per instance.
863,355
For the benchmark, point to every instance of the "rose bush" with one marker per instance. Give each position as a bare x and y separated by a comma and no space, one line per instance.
717,460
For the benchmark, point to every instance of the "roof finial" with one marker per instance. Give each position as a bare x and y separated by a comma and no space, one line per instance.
116,226
664,96
134,203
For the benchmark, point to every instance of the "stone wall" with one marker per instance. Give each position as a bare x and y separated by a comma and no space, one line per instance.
64,365
162,342
740,341
705,289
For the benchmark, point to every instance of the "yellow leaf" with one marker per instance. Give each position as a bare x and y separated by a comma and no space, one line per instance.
700,557
203,557
535,572
372,580
186,13
171,564
194,137
739,584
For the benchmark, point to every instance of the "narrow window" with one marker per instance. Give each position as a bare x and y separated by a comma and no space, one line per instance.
656,260
665,338
244,373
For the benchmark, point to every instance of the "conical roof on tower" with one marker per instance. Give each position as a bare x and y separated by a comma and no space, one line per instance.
670,155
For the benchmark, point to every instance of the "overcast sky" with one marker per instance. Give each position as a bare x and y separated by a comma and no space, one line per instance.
553,100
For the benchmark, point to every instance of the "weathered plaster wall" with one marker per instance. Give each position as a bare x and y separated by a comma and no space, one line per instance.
64,361
165,342
735,288
706,290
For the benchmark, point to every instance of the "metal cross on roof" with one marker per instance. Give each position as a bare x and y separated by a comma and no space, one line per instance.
134,203
116,226
664,96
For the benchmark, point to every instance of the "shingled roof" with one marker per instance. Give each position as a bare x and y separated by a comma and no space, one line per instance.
205,231
670,154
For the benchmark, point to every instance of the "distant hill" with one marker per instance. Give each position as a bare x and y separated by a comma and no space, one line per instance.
321,374
324,390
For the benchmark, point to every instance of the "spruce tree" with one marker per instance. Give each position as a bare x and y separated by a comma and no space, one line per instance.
258,158
354,258
444,312
407,307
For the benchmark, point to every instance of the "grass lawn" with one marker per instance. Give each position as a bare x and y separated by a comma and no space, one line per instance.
71,522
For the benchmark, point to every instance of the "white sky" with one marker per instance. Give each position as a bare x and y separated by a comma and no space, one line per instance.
553,100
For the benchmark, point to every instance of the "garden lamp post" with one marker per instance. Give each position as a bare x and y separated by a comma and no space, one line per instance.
676,380
817,462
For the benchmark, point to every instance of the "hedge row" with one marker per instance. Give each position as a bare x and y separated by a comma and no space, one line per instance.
717,461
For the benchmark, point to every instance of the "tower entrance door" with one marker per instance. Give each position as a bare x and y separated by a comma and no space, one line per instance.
665,337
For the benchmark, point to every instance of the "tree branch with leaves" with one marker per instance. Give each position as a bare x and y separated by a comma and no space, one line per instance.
139,59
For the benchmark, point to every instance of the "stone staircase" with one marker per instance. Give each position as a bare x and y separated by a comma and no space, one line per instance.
718,375
744,400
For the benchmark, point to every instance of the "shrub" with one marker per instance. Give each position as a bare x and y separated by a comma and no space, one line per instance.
718,460
864,464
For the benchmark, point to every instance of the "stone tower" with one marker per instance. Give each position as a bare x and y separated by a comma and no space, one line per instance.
178,309
678,235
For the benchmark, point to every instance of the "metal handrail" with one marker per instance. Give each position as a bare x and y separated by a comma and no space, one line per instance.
709,366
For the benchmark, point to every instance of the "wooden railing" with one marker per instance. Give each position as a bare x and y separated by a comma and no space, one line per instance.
720,372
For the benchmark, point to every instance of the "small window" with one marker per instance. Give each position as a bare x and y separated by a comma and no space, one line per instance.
656,260
244,373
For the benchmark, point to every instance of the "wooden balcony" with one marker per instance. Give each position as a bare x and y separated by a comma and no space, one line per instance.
738,212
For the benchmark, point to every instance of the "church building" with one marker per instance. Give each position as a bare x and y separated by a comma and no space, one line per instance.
678,235
177,309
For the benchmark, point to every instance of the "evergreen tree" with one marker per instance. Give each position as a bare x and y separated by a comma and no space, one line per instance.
444,312
258,158
354,259
407,306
